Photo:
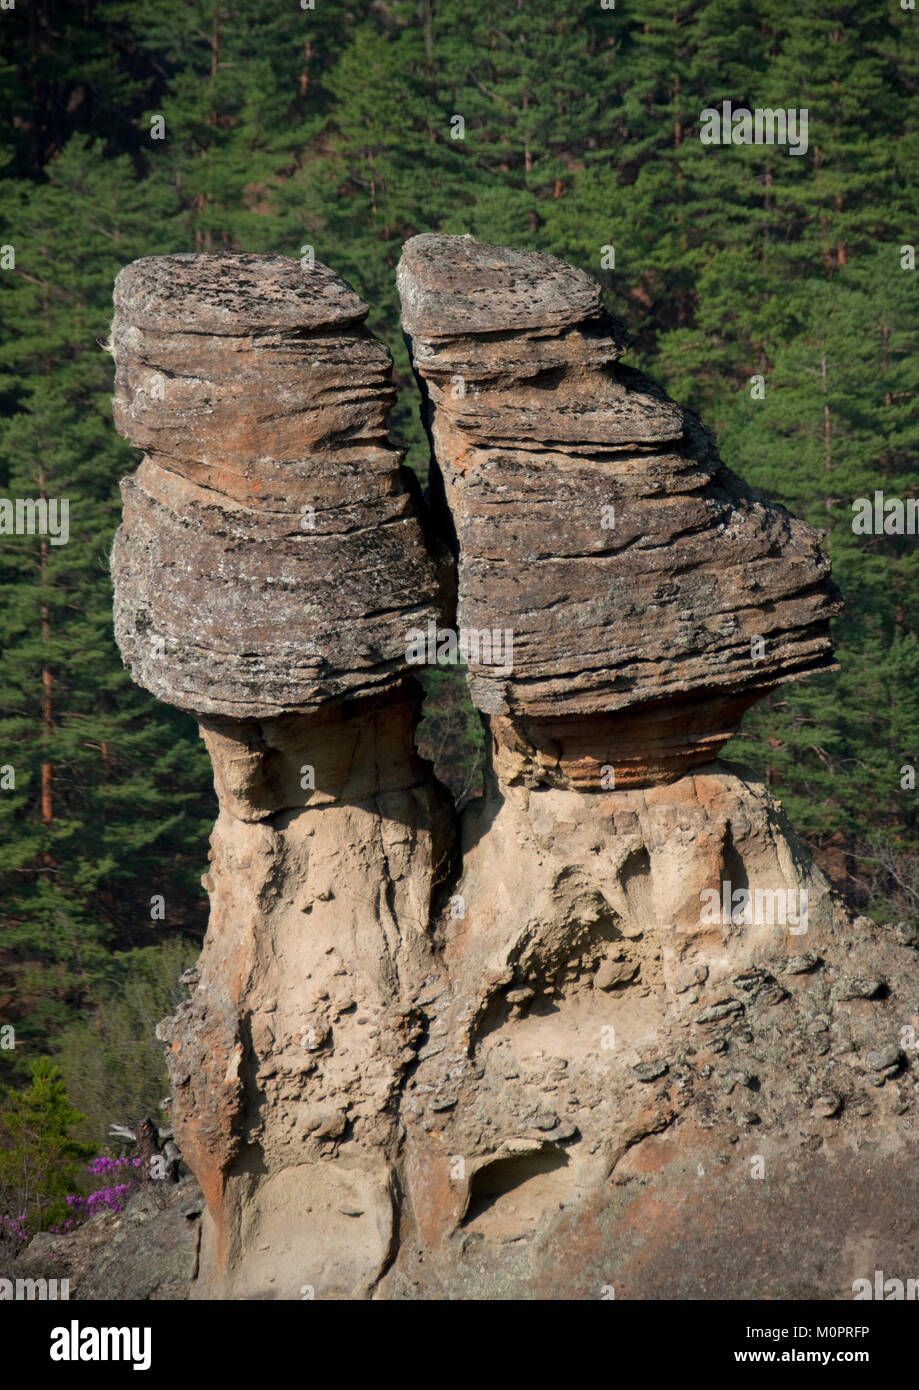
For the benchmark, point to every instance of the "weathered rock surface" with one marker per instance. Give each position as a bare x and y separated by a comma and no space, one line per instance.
545,1052
616,1063
149,1251
270,553
262,402
595,522
287,1061
627,1054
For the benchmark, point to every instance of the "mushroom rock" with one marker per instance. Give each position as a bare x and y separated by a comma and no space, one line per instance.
647,595
270,557
655,997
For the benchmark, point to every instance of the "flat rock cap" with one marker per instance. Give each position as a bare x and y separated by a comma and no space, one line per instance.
475,288
233,294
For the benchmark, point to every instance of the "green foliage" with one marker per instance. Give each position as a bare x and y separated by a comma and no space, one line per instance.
450,732
40,1161
113,1064
110,802
334,127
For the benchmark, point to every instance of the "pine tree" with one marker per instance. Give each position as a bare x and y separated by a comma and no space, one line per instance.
837,422
103,803
40,1161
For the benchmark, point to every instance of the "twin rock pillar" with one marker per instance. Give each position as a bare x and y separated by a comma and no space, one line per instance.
416,1050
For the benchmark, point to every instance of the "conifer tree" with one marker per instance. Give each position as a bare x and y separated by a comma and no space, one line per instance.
103,802
40,1161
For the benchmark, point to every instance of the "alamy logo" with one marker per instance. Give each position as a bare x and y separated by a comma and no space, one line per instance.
75,1343
474,646
890,1290
763,126
32,1290
36,516
885,516
755,907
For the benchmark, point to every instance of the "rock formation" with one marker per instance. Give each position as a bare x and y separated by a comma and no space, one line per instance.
612,1030
146,1252
651,597
270,549
261,401
638,949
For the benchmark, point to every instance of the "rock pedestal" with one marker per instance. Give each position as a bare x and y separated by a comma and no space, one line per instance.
269,560
656,997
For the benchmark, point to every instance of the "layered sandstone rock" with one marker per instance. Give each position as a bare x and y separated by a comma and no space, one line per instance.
595,522
547,1052
270,551
262,402
655,1025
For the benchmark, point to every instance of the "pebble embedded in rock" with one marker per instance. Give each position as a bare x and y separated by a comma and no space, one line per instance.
650,1071
800,965
612,973
883,1058
720,1010
850,987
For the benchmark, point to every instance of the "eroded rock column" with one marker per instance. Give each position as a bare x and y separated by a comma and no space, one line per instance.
646,967
268,563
